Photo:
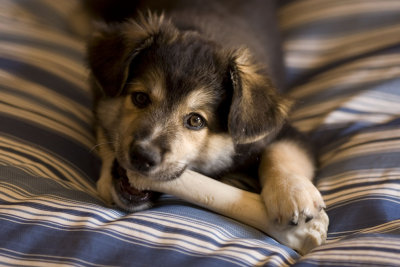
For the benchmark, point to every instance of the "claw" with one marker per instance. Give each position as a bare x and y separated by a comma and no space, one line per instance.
295,219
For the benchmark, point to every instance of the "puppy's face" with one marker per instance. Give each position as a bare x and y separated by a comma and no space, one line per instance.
168,119
174,100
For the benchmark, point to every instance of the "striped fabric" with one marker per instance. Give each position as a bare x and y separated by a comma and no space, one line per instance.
343,62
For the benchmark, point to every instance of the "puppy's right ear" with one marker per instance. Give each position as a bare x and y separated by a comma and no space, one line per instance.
108,58
112,48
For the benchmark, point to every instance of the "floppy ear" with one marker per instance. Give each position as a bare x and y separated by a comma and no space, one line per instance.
112,48
257,110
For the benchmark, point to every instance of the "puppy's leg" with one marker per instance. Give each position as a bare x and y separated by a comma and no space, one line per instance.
235,203
293,203
104,184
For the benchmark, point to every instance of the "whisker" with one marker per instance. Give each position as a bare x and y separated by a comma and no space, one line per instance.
180,163
100,144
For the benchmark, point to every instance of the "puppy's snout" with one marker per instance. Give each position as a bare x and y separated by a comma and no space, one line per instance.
145,158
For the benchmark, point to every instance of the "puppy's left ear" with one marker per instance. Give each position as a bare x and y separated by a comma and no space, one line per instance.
257,110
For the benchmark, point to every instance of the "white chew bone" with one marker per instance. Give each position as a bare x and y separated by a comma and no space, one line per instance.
211,194
235,203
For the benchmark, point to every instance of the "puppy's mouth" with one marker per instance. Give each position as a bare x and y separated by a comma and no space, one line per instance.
129,197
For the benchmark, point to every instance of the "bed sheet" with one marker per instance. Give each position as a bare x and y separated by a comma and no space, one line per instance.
343,63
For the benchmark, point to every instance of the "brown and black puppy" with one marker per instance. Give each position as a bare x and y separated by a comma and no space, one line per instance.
193,85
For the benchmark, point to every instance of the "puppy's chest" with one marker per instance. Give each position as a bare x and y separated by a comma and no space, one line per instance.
246,162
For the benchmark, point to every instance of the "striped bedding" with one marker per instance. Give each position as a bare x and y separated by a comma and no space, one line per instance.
343,64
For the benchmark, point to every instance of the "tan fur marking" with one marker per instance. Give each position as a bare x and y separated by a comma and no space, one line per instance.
249,72
104,184
199,99
288,157
151,83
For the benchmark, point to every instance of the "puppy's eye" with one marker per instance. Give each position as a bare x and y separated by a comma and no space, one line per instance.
194,121
140,99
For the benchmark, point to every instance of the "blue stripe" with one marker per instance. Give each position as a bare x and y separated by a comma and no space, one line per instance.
362,214
363,162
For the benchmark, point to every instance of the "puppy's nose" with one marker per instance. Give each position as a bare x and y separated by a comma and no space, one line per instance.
144,158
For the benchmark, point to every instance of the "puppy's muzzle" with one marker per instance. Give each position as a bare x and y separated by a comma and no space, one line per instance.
145,158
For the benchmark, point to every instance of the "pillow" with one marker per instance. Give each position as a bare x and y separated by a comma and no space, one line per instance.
345,80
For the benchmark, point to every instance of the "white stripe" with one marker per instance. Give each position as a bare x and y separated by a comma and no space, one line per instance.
9,261
357,257
11,11
343,152
374,192
371,242
358,176
330,43
196,227
30,259
373,62
51,36
75,178
355,73
15,194
301,60
343,117
385,228
219,231
48,123
302,12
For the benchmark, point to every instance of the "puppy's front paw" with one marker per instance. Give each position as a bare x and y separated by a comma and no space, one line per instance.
296,209
305,236
291,200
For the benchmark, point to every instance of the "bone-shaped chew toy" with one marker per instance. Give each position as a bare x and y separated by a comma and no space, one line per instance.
235,203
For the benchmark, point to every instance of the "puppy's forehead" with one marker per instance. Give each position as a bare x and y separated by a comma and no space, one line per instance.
200,98
189,63
186,70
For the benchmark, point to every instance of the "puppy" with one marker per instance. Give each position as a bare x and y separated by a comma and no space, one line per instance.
194,85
